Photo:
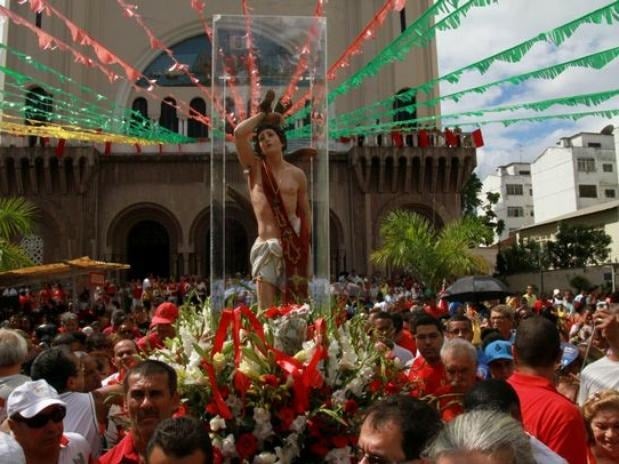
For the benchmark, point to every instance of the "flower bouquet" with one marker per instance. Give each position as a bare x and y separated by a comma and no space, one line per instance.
287,385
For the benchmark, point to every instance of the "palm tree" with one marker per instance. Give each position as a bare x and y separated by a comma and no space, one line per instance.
410,243
16,220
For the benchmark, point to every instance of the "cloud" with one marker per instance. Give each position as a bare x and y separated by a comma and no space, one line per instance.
489,30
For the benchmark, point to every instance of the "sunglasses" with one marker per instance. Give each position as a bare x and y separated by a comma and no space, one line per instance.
56,415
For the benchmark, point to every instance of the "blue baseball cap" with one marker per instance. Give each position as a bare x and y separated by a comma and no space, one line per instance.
499,349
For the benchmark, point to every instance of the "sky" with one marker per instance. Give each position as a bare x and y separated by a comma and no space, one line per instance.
492,29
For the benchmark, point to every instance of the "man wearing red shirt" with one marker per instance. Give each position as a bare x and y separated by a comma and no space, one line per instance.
403,337
161,327
150,397
427,372
546,414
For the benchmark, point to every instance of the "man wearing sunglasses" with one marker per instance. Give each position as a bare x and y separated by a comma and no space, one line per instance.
35,417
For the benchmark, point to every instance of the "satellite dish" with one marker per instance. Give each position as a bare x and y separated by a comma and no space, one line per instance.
608,130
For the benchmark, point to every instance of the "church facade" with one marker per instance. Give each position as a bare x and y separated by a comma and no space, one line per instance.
152,208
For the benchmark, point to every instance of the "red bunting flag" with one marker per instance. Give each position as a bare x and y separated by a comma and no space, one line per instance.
108,149
423,140
451,139
60,148
397,139
477,137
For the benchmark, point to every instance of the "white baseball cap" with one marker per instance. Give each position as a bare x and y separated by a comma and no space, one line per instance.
30,398
10,450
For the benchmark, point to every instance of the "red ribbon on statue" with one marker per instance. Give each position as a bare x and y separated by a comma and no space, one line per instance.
232,318
304,378
222,407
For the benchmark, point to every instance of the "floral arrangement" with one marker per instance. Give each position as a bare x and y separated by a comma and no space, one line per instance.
287,385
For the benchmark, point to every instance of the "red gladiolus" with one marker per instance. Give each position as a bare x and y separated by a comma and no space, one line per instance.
246,445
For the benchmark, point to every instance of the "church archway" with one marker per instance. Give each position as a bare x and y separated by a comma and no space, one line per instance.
148,249
129,229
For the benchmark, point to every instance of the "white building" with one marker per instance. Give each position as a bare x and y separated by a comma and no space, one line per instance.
515,206
581,171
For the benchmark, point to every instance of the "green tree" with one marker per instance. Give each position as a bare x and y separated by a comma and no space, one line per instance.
579,246
16,220
471,202
490,219
469,196
529,256
410,243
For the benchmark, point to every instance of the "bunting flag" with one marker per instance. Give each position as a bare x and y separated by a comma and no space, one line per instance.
104,56
60,148
608,14
596,61
371,130
418,33
155,43
477,138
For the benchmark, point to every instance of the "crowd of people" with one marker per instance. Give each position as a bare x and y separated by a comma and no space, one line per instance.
532,380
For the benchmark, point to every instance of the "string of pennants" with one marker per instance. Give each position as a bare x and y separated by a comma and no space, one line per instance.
84,114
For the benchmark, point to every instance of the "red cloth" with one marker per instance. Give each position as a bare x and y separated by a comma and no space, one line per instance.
451,138
397,139
423,140
436,311
550,417
426,377
406,340
60,148
478,139
295,247
449,403
123,453
149,342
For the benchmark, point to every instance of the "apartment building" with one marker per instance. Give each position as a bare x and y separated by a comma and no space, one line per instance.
581,171
515,206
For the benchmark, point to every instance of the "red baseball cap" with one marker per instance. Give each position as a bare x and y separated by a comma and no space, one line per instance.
166,313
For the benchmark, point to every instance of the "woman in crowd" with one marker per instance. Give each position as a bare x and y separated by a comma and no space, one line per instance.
601,413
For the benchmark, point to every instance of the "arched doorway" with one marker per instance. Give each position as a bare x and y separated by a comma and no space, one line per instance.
148,250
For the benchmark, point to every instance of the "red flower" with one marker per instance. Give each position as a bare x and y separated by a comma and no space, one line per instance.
320,449
217,456
350,407
246,445
315,427
375,385
212,409
241,382
391,388
270,379
339,441
181,411
286,415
